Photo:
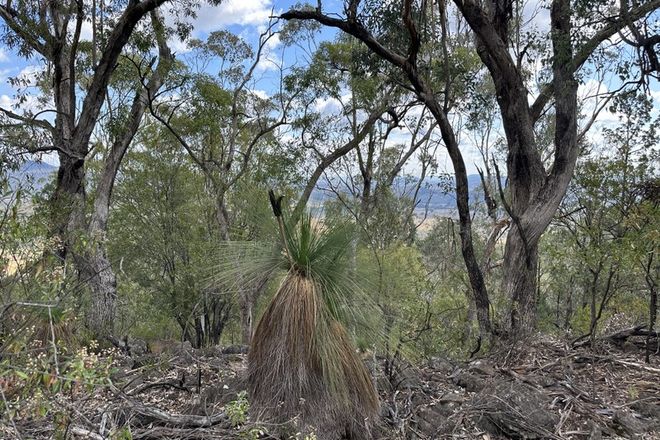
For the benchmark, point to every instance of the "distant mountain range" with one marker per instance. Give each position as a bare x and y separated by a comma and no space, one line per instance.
437,194
32,174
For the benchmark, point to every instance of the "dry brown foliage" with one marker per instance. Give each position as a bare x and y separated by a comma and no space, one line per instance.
304,372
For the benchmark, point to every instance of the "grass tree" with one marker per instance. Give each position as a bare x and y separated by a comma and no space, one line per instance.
304,372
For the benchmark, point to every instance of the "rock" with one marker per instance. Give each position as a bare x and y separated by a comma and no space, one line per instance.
628,424
184,351
137,347
544,381
482,368
648,405
471,382
515,410
451,398
436,377
407,378
596,432
133,347
383,384
235,349
441,366
429,419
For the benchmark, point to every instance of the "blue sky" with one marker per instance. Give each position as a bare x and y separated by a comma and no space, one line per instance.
248,18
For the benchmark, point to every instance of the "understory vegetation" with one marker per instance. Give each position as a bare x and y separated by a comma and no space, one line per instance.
405,219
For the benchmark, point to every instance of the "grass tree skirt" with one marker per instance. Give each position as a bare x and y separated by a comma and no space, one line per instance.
304,373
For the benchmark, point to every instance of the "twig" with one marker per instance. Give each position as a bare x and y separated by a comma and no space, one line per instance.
11,419
52,340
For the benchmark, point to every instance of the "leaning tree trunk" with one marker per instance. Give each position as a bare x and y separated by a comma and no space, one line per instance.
94,265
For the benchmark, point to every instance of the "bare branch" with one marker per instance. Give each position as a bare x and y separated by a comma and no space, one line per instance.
583,54
32,120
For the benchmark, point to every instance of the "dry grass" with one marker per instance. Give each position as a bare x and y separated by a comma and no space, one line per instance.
303,370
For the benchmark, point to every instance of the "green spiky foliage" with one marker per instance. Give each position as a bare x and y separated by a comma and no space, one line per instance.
303,369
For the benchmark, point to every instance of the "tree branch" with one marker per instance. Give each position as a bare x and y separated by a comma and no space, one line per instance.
98,88
9,16
583,54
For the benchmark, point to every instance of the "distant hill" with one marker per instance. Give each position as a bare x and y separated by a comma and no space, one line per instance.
32,174
435,193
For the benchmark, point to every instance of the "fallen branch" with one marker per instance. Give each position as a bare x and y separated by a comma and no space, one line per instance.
86,433
640,330
619,336
180,420
162,432
584,358
636,365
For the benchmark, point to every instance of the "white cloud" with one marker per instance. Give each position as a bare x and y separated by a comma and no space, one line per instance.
86,31
5,101
261,94
536,14
242,12
326,105
28,75
655,94
3,55
254,13
177,46
270,57
591,96
4,74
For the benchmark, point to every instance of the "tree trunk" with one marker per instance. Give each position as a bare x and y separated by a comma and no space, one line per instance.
68,201
651,282
569,308
94,265
653,313
97,272
520,281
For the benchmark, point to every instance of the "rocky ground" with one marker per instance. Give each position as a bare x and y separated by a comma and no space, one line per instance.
539,390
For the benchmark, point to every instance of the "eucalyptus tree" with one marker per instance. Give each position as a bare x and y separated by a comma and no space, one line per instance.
344,103
75,87
223,123
52,31
535,189
162,229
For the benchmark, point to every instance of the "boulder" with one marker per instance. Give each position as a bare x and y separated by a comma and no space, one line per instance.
513,409
235,349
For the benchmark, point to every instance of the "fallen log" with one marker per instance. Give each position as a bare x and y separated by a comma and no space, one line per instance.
180,420
619,337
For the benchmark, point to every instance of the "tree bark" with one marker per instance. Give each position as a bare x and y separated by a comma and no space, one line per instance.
651,282
71,136
94,264
520,262
535,193
246,307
